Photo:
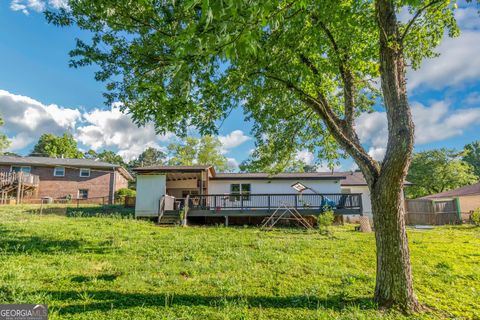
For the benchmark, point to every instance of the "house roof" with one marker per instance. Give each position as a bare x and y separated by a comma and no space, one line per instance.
354,178
470,190
65,162
280,176
173,168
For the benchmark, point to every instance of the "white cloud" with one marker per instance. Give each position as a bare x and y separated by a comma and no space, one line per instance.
467,18
473,99
26,119
25,6
377,153
233,139
232,164
306,156
434,123
459,62
112,128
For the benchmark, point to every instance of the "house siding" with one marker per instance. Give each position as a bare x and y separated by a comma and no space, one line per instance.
99,184
469,203
120,181
274,186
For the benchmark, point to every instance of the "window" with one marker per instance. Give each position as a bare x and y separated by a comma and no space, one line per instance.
24,169
246,191
240,189
84,172
82,193
59,171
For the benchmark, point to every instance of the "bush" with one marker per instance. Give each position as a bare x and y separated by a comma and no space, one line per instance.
476,217
325,220
120,194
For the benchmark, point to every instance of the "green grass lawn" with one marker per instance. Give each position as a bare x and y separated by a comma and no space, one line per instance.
120,268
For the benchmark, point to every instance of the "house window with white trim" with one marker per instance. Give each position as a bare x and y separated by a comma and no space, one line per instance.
237,189
59,172
84,172
24,169
82,193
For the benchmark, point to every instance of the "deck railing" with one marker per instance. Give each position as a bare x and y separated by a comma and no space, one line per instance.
334,201
10,178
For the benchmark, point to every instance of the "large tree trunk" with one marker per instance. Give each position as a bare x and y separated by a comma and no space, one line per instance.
394,285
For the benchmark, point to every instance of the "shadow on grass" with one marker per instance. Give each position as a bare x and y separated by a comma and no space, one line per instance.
105,211
105,300
13,242
103,277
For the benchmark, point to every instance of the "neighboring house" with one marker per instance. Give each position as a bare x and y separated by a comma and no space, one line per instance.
468,197
61,178
248,194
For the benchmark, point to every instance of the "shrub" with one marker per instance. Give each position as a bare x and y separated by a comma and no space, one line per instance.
120,194
325,220
476,217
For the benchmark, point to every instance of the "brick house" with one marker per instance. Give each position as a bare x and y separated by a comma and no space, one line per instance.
76,178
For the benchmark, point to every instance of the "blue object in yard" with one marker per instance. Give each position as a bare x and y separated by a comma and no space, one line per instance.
327,203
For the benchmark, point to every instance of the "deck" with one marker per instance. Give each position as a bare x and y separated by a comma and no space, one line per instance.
235,205
16,183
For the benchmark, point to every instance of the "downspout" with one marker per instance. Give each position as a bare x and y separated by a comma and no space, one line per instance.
114,182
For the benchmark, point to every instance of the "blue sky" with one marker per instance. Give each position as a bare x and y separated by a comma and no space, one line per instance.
39,93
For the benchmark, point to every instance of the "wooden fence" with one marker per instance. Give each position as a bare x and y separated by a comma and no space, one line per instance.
432,212
130,202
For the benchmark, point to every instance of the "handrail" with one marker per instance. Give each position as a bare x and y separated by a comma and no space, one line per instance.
272,201
12,177
161,208
186,207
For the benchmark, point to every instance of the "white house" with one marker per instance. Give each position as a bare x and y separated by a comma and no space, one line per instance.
248,194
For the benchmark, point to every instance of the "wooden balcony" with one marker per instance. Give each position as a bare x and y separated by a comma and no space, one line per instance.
16,183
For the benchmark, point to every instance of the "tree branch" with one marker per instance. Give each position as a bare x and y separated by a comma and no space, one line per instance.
335,125
415,17
348,82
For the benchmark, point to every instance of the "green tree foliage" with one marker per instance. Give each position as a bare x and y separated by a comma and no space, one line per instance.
301,70
149,157
203,151
106,156
472,156
120,194
4,142
438,170
293,165
50,145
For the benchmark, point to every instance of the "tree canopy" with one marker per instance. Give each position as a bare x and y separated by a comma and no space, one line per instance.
50,145
202,151
472,156
149,157
4,142
436,171
288,64
294,165
106,156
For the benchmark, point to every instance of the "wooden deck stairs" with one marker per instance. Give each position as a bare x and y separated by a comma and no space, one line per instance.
173,217
17,184
166,217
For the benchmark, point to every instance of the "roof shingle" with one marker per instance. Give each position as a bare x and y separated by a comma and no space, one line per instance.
46,161
459,192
